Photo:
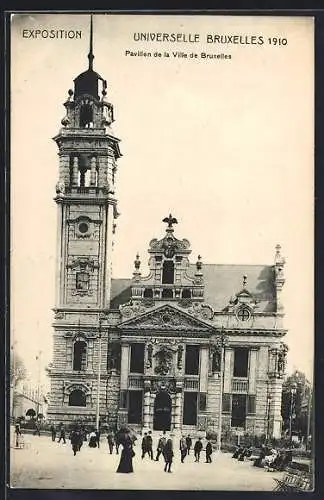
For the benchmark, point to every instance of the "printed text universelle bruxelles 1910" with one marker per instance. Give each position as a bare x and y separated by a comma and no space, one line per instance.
191,38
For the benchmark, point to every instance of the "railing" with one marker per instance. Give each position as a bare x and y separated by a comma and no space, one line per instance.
83,190
239,385
135,382
191,384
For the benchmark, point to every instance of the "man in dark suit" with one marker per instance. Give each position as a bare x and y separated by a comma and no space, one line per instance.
197,449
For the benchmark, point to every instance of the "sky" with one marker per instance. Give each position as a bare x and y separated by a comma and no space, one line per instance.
225,145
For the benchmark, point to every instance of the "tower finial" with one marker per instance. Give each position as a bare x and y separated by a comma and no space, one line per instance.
90,55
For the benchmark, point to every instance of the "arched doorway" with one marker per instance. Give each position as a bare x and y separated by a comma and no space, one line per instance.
162,412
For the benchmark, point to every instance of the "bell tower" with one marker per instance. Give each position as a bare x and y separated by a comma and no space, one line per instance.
87,208
86,203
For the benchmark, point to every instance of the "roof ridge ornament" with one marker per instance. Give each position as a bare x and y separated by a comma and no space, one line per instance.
170,220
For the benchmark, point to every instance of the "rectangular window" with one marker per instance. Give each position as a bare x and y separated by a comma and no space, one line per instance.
82,281
135,399
238,410
251,404
241,361
192,360
190,408
226,403
137,358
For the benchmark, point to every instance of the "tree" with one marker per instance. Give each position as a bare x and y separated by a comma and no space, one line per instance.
296,394
17,369
31,413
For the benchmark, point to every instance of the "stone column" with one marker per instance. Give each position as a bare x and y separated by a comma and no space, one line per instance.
93,171
177,410
203,369
228,370
147,406
124,366
252,370
275,408
75,171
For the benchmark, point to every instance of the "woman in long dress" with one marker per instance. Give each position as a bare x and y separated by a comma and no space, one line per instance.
126,460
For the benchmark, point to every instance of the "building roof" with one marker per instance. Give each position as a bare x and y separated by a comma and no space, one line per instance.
222,281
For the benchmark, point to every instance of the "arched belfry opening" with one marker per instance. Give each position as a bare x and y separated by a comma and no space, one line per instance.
168,272
86,116
162,411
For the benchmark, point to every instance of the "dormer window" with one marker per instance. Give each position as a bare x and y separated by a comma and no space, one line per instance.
243,313
168,272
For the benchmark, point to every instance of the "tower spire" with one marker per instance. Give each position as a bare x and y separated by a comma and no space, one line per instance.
90,55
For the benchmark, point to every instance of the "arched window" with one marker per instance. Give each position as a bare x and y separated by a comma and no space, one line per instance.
186,293
80,356
167,293
148,293
77,398
168,272
86,116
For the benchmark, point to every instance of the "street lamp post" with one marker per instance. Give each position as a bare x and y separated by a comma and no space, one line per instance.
98,377
293,391
38,359
222,343
268,416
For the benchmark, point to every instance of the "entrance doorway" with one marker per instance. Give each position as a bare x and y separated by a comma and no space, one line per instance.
162,412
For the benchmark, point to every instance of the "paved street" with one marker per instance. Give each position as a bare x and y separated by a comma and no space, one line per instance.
44,464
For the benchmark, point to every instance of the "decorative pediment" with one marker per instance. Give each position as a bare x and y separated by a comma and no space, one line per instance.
166,318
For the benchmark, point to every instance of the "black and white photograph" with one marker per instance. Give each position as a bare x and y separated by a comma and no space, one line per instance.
161,251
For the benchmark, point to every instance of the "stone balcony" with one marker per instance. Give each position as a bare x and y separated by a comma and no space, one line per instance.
240,385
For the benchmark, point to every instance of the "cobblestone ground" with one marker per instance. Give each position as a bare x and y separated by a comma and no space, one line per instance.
47,464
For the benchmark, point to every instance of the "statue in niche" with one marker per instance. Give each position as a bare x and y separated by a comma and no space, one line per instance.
149,356
114,356
180,353
164,359
281,363
216,360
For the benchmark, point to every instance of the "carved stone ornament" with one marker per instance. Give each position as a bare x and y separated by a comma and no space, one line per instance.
180,356
60,187
149,356
169,245
203,311
215,353
164,359
59,315
85,262
163,318
72,386
168,385
131,309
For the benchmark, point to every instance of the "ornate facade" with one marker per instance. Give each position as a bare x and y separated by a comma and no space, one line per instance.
168,350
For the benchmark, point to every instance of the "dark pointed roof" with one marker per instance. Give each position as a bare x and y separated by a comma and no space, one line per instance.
87,82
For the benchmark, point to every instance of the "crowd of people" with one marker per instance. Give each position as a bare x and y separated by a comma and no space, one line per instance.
268,458
125,438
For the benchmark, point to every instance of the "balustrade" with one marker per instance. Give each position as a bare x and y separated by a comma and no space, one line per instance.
240,385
